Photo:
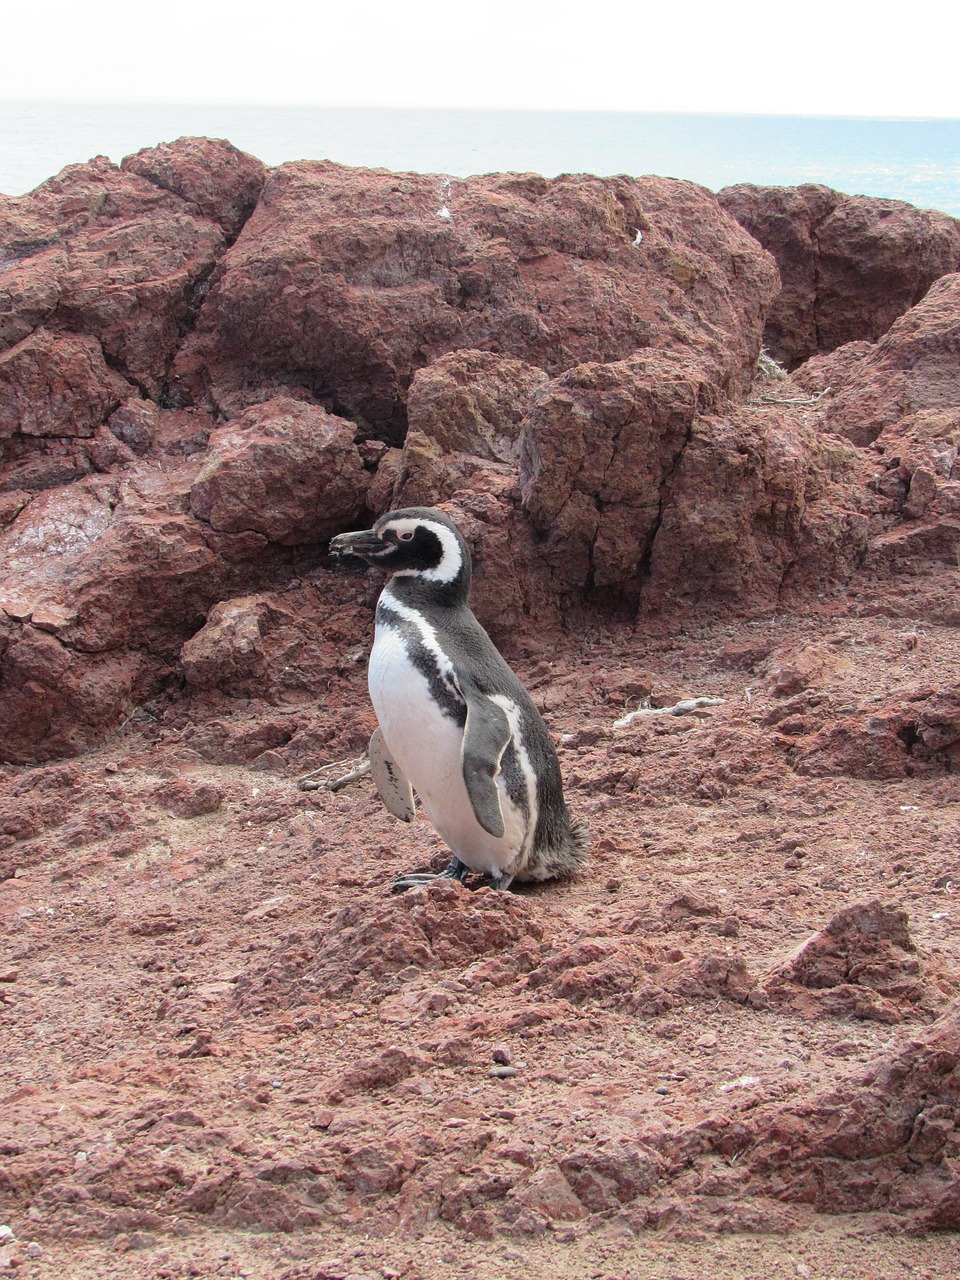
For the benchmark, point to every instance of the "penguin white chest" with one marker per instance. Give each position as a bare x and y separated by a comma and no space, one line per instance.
415,694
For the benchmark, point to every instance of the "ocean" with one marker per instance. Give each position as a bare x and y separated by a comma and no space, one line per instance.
913,160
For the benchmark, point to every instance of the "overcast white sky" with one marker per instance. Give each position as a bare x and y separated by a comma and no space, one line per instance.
825,57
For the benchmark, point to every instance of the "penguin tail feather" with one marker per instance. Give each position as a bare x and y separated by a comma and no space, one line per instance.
569,856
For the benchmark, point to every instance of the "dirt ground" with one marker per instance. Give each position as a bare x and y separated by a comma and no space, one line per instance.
228,1050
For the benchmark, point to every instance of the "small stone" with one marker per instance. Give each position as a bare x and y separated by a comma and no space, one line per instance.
111,767
8,974
502,1055
34,1250
503,1073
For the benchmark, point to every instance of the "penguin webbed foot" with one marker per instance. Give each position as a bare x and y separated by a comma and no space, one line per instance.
455,871
414,879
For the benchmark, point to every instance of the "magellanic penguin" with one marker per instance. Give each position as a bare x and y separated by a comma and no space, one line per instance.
456,725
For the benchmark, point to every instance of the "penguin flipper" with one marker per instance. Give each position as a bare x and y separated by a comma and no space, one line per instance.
485,738
393,788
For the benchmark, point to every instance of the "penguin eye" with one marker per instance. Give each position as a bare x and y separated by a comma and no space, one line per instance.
405,535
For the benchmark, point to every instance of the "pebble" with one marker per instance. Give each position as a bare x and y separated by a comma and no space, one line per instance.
502,1055
503,1073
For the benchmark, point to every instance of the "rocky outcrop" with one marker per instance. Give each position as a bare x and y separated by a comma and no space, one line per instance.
345,282
57,385
109,255
285,470
208,368
912,370
105,582
850,265
223,182
890,1141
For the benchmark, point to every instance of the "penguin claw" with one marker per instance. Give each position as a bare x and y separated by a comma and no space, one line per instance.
455,871
414,879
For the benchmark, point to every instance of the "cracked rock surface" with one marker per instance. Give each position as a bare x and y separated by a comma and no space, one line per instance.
731,1046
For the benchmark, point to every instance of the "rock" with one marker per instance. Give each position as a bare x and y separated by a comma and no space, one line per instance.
441,926
388,1068
849,1150
911,369
603,1177
223,182
464,413
756,506
938,724
850,265
29,289
135,424
227,652
865,745
474,402
56,701
275,645
545,272
117,581
549,1193
183,798
597,447
866,946
788,672
54,385
285,470
130,258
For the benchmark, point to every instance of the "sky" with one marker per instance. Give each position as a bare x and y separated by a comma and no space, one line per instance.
826,57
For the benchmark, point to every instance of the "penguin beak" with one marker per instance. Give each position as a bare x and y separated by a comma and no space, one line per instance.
363,544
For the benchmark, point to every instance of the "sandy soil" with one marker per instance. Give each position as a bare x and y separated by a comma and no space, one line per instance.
229,1051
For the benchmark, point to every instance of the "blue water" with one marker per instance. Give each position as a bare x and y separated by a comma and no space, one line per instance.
913,160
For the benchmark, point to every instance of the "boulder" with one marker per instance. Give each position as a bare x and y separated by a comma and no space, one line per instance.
597,448
57,385
345,282
101,252
850,265
758,505
285,470
223,182
911,369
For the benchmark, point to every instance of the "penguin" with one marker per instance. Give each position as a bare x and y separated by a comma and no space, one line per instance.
456,726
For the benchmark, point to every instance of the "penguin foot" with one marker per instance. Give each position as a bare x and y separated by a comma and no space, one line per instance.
455,871
414,879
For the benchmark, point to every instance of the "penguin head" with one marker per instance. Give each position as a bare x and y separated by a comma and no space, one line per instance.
415,542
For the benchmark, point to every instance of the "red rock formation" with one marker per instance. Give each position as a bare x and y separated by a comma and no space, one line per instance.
212,174
911,370
569,387
345,282
285,470
850,265
110,255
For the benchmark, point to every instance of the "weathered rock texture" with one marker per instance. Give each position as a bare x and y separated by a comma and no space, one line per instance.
208,370
345,282
850,265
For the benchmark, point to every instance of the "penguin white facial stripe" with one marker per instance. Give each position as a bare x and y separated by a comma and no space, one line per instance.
451,559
